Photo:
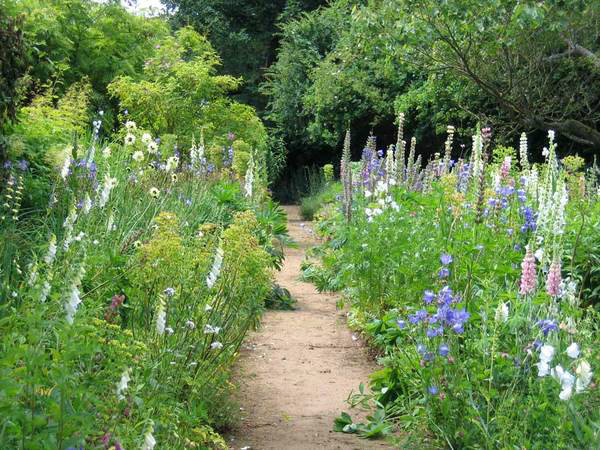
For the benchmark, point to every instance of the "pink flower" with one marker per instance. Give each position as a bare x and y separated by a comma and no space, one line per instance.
554,279
505,168
528,275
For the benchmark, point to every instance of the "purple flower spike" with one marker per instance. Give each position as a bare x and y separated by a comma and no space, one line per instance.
444,273
443,350
446,259
428,297
547,326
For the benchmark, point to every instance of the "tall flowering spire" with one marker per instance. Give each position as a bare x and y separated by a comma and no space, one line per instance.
346,176
448,149
400,154
554,278
390,169
505,168
523,152
528,274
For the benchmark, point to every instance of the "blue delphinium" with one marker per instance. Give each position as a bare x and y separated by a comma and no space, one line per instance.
547,326
443,350
428,297
446,259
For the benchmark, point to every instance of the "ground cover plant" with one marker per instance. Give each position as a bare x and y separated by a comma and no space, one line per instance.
473,277
125,301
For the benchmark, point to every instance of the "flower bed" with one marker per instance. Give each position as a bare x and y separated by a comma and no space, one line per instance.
473,279
126,301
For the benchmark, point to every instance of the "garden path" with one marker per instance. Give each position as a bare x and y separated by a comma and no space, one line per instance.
298,369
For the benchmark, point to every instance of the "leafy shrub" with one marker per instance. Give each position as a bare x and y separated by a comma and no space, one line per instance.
181,93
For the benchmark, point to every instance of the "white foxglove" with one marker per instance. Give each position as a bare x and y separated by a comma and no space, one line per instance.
573,350
49,258
211,279
161,318
149,441
584,376
122,385
502,312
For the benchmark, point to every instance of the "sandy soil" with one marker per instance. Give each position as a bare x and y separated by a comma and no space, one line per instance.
299,368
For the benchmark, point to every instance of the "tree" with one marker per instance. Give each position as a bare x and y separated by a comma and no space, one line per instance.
538,61
12,67
244,33
68,40
181,93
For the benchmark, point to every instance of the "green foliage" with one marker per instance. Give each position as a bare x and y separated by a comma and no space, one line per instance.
232,25
12,55
309,206
304,43
69,40
280,299
49,124
180,93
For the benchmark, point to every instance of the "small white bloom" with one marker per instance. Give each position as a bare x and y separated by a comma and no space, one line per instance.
152,147
73,302
130,125
551,135
539,254
216,345
169,330
45,291
211,279
87,204
566,393
584,376
546,353
172,163
161,318
110,224
502,312
573,350
146,138
209,329
129,139
64,173
106,152
543,368
208,308
545,152
368,193
49,258
149,441
191,325
138,156
122,385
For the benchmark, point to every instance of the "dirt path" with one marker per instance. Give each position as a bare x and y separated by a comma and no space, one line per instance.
299,368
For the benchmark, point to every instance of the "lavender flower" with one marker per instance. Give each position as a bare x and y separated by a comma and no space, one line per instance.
428,297
547,326
446,259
